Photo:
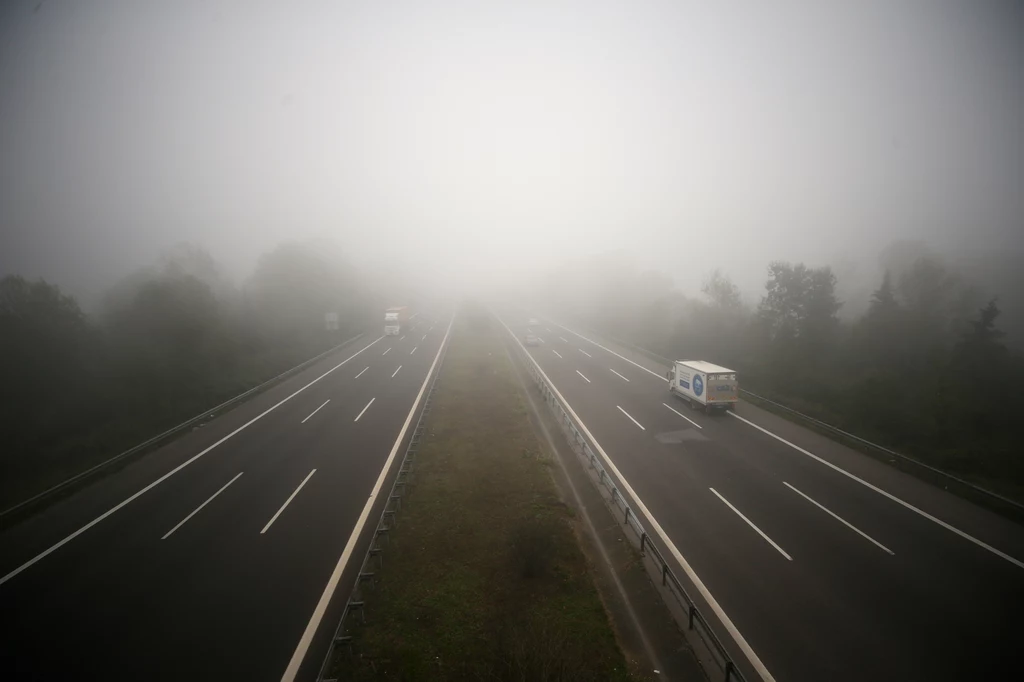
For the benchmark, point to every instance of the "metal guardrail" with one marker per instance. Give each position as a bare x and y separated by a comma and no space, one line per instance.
174,430
686,608
882,448
374,560
846,434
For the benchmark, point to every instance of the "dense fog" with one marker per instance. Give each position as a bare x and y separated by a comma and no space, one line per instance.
187,188
464,142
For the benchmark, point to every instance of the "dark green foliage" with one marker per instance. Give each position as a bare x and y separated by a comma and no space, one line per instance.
47,350
798,312
882,333
291,289
925,370
168,342
721,291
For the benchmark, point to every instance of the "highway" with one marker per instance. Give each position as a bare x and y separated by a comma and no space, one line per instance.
823,563
212,557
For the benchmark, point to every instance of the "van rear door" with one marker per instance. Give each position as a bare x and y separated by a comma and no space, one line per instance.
723,388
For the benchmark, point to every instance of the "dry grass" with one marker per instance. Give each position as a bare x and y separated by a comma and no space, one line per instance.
483,579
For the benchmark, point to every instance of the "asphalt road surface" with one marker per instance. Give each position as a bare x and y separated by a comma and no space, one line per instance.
827,564
207,559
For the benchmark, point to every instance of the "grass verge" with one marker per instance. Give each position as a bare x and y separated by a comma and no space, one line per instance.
1007,489
483,578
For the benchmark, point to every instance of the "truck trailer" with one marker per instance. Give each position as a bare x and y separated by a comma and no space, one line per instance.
395,319
704,385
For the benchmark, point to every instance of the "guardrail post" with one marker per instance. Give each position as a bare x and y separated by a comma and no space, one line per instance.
359,606
579,444
342,639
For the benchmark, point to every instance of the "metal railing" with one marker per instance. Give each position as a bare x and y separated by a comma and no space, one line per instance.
841,432
169,433
373,561
683,607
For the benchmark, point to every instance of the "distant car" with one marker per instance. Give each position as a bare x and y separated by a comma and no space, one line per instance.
534,322
531,340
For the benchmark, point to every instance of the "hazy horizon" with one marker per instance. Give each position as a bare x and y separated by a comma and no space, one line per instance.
468,144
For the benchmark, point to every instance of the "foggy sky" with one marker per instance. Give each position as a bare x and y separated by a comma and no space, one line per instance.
472,139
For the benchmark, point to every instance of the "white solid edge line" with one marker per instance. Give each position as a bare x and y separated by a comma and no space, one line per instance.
556,353
332,583
196,510
413,350
617,374
175,470
365,409
361,373
287,502
584,378
385,352
713,604
878,490
396,372
623,357
683,415
892,497
321,407
839,519
585,352
751,524
631,418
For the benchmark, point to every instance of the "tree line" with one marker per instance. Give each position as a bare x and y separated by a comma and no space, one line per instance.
165,343
926,370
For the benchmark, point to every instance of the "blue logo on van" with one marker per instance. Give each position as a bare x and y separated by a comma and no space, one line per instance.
698,385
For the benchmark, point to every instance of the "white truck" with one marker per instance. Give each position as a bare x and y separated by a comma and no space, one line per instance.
395,319
704,385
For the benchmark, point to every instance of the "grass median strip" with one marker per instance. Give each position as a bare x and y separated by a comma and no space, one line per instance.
483,577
